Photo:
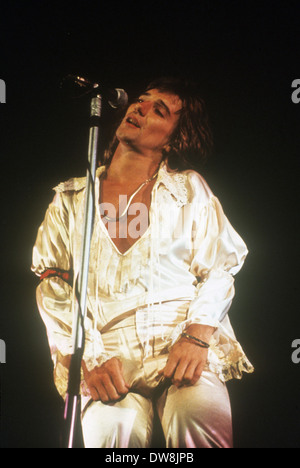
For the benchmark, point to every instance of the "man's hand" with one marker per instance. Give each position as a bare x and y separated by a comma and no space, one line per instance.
187,360
106,383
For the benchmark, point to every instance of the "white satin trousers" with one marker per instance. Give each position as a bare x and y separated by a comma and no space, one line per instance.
198,416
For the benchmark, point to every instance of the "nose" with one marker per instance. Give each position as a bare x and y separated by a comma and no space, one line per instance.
142,107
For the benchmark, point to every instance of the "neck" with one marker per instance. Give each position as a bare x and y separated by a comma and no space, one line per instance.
126,162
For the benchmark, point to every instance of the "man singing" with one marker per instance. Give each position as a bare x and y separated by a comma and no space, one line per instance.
161,282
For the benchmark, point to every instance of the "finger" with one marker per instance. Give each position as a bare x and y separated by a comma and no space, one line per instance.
171,366
94,394
179,373
114,369
110,388
103,394
190,373
198,373
119,383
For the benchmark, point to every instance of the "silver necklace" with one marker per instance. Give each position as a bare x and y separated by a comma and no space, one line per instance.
108,218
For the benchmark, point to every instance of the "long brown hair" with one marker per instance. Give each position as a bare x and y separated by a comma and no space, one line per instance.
191,142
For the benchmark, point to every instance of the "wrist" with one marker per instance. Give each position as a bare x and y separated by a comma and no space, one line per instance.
201,332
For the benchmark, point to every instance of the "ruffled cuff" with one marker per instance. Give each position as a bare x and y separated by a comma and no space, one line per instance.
226,357
93,362
228,360
61,372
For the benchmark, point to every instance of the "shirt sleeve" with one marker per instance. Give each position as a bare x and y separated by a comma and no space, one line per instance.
55,297
218,254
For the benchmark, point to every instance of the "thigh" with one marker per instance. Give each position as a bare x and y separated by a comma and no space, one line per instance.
198,416
124,424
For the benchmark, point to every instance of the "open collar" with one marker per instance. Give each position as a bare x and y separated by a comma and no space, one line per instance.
174,182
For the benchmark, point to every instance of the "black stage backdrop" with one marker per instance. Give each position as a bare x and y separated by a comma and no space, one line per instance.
246,57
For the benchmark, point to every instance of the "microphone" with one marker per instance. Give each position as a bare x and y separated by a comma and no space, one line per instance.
77,86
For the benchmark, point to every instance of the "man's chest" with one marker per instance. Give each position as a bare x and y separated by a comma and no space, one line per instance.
125,213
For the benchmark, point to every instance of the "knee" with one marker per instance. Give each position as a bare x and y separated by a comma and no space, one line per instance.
106,426
194,418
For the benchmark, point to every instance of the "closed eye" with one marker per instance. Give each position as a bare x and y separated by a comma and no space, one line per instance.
158,106
158,112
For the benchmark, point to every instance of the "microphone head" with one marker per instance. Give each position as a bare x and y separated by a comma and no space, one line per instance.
120,98
77,87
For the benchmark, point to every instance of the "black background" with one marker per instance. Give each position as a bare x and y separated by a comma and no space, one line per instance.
246,56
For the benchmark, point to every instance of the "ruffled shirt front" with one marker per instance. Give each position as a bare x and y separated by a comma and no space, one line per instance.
189,252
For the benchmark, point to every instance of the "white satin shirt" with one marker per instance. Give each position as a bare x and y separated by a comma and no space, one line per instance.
185,261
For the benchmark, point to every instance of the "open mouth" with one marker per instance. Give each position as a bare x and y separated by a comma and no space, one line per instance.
133,121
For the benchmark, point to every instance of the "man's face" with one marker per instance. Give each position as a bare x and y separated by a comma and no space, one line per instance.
150,122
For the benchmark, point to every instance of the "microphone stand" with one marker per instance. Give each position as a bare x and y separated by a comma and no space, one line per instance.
73,401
